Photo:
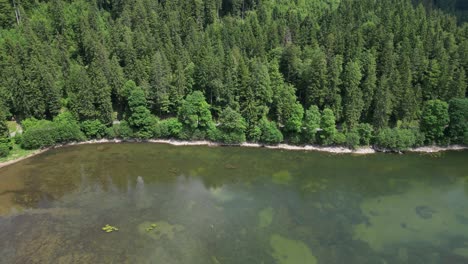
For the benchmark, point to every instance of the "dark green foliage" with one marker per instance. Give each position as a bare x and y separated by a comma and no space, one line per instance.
5,142
232,126
93,129
352,139
353,100
141,120
4,132
5,146
373,62
458,127
110,132
434,120
123,130
365,132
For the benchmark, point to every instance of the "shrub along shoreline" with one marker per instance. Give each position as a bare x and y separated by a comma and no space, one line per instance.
332,149
440,125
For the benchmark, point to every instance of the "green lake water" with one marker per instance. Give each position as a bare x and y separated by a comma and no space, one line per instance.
219,205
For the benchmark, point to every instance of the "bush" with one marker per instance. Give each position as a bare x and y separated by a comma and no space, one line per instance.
93,129
18,139
5,146
339,138
43,133
170,128
352,139
123,130
110,132
39,136
67,128
365,132
434,119
458,126
232,127
397,139
270,134
328,134
30,122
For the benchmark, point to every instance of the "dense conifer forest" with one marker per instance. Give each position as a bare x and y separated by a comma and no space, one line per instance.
388,73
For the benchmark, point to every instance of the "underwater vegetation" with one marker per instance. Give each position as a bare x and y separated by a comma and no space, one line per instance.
287,251
265,217
418,215
282,177
157,230
108,228
151,227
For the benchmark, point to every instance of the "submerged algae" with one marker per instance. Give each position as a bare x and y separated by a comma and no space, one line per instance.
462,251
159,229
287,251
265,217
422,214
282,177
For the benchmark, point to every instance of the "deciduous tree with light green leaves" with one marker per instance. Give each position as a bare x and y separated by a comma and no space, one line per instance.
328,127
232,126
434,120
311,124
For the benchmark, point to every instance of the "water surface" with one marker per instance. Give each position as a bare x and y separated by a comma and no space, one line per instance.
233,205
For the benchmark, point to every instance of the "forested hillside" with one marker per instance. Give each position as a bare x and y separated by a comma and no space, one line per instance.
325,72
457,7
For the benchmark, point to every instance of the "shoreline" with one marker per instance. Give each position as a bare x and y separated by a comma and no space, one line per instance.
333,150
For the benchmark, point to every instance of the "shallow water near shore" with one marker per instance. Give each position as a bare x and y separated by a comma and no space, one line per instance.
199,204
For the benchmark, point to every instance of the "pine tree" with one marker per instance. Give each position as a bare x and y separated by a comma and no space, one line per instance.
353,101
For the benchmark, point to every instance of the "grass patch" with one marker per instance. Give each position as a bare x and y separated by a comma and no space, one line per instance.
17,153
11,126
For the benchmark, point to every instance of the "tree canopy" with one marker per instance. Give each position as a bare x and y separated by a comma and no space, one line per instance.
312,70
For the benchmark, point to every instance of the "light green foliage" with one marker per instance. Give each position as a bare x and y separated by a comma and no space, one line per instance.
270,134
109,229
365,132
311,124
232,126
93,129
125,91
328,126
170,128
195,112
294,123
290,112
160,229
396,139
41,133
434,120
339,138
